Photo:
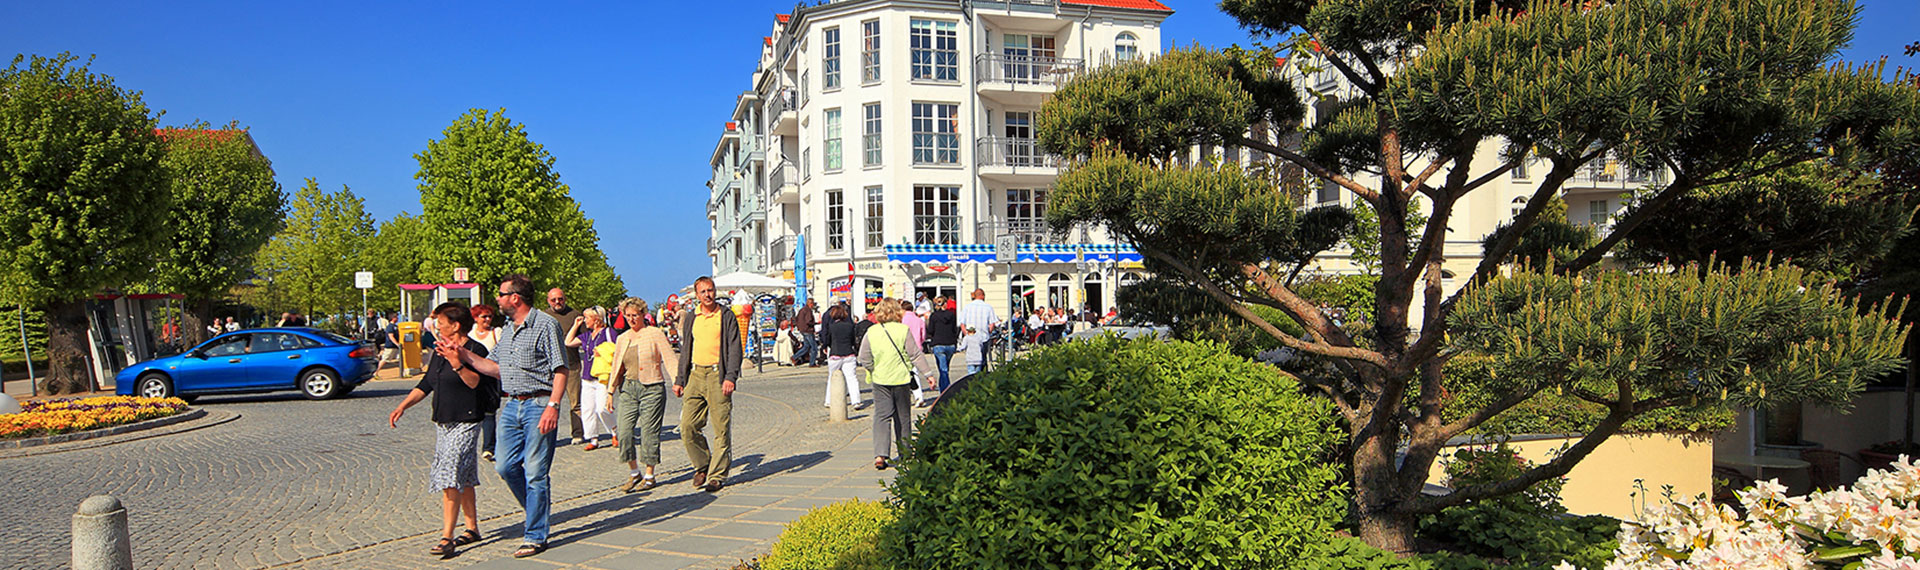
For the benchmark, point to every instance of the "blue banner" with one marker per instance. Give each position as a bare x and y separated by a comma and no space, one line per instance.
800,271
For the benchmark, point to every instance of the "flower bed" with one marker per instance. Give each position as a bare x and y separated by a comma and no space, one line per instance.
49,417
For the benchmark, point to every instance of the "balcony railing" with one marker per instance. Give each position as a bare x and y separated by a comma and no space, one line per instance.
1010,151
1024,230
782,175
1025,70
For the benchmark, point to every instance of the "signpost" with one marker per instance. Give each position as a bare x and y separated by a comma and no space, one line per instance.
459,275
363,280
1006,248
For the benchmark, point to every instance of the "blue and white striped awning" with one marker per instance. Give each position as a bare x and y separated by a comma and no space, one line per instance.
1027,253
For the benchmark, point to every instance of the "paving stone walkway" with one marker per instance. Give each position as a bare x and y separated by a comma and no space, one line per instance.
672,526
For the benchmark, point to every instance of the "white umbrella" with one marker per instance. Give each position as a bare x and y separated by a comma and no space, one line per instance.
744,281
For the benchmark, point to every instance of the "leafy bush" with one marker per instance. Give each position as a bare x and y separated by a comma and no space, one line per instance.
1120,454
1529,528
840,536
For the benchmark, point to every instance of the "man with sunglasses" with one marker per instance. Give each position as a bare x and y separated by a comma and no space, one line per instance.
531,364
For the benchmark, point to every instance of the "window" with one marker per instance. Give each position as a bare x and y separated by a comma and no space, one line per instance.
936,215
806,164
1519,204
1520,170
803,89
936,138
1329,192
830,61
876,222
1029,59
833,140
936,50
1026,205
1597,212
870,51
1019,147
870,134
230,346
1126,47
836,221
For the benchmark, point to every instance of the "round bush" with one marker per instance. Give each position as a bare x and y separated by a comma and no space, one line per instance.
1120,454
840,536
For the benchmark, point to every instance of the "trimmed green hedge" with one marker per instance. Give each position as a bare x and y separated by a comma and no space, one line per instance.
1119,454
840,536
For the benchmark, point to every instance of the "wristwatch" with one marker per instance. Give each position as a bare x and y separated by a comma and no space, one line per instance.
551,404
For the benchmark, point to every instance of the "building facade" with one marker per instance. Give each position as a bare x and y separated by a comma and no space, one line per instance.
886,146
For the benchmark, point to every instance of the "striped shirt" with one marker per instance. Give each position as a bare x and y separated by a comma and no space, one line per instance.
529,353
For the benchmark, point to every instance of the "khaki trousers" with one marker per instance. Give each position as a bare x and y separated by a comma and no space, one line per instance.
704,401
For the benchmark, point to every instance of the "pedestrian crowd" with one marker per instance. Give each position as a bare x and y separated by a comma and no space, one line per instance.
499,380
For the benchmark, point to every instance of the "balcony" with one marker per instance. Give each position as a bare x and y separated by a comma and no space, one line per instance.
784,183
1015,160
781,252
786,119
1022,81
1025,230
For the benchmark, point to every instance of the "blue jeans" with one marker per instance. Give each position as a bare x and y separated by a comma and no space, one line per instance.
522,456
972,368
810,348
942,355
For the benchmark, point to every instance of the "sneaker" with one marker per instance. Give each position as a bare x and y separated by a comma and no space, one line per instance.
487,455
713,485
633,484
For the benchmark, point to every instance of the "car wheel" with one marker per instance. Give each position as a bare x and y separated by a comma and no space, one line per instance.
153,385
319,384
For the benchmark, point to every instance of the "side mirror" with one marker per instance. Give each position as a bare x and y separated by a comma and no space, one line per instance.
196,353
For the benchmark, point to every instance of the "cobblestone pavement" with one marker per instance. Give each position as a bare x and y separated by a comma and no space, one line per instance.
329,485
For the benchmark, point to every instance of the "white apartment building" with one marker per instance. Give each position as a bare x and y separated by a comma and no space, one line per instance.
884,146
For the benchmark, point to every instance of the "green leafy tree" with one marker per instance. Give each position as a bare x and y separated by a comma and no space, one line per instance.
493,203
226,205
1441,98
80,175
308,267
395,255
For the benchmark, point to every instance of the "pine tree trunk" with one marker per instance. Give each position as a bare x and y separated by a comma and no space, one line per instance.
67,349
1376,495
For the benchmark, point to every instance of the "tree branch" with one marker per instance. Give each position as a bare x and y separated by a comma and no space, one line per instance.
1559,466
1214,290
1363,192
1682,184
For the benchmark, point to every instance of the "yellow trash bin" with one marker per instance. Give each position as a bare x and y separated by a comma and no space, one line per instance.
409,348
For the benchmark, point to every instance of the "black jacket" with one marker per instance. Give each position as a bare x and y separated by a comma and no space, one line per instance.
839,338
943,328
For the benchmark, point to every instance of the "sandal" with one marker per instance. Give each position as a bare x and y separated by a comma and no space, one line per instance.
529,550
444,548
590,446
880,463
466,538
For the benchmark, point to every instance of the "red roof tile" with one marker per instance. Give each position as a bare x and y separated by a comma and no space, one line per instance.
782,17
1135,4
766,40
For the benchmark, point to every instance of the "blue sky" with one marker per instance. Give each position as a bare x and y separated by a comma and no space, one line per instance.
628,96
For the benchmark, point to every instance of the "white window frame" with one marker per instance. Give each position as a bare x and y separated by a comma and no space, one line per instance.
870,52
834,143
936,133
932,205
935,50
830,59
876,222
836,220
1126,47
870,150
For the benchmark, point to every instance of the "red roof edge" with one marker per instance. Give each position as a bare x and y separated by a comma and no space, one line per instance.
766,40
1134,4
782,18
732,125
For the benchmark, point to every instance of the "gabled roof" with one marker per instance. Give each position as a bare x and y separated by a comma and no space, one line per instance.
1134,4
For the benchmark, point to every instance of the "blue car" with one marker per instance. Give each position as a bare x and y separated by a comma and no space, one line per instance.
320,364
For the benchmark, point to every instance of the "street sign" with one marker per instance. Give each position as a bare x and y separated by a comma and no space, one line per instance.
1005,248
363,280
459,275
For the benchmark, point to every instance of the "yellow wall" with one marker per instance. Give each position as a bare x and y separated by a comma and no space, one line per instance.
1603,483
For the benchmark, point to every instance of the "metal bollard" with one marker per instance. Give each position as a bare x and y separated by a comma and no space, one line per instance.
837,394
100,539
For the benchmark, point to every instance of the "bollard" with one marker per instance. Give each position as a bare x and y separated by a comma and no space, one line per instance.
100,540
837,394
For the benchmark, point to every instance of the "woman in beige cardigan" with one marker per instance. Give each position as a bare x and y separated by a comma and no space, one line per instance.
639,387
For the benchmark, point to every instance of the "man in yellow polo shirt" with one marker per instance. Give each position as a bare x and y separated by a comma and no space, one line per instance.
710,354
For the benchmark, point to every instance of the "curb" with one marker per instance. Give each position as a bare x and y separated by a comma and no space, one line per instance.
192,420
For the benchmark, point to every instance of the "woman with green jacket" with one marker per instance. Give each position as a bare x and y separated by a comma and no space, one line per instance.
891,359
